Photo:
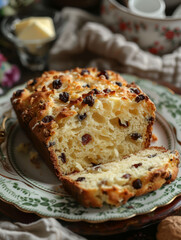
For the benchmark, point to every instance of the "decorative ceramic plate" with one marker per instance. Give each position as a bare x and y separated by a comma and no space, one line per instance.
32,187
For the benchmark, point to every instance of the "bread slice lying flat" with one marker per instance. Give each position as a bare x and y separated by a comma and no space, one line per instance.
115,182
82,117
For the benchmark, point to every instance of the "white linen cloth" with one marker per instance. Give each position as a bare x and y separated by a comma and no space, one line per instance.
43,229
85,41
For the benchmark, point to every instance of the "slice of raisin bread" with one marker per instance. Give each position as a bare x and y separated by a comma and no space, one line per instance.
114,183
83,117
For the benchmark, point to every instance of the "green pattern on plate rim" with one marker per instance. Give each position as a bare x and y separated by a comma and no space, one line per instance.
31,193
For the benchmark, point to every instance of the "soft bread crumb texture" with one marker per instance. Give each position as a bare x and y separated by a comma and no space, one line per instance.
84,117
114,183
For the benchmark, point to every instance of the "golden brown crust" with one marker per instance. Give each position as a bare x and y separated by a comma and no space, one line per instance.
34,103
151,182
87,198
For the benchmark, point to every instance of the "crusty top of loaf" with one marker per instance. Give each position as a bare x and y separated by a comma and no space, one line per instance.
63,91
56,95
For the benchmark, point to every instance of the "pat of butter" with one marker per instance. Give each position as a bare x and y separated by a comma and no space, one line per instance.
35,28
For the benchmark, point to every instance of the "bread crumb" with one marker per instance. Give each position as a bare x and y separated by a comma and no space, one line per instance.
34,158
24,147
154,138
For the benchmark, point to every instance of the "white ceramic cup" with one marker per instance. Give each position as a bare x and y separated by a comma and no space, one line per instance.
148,8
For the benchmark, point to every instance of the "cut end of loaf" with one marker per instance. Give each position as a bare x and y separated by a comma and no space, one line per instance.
112,128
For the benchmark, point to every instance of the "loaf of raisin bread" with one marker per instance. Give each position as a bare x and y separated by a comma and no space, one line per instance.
114,183
83,117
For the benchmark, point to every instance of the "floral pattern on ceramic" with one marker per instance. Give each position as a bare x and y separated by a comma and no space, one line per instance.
37,190
153,35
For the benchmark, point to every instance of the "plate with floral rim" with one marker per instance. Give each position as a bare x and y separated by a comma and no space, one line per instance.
29,184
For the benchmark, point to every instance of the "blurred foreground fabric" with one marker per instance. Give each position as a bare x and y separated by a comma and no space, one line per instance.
43,229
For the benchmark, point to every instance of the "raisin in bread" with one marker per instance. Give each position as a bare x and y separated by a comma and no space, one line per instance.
83,117
114,183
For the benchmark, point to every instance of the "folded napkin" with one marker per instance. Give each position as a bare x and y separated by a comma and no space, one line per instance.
85,41
43,229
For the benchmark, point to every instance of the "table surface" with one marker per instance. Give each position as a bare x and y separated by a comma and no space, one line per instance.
110,229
